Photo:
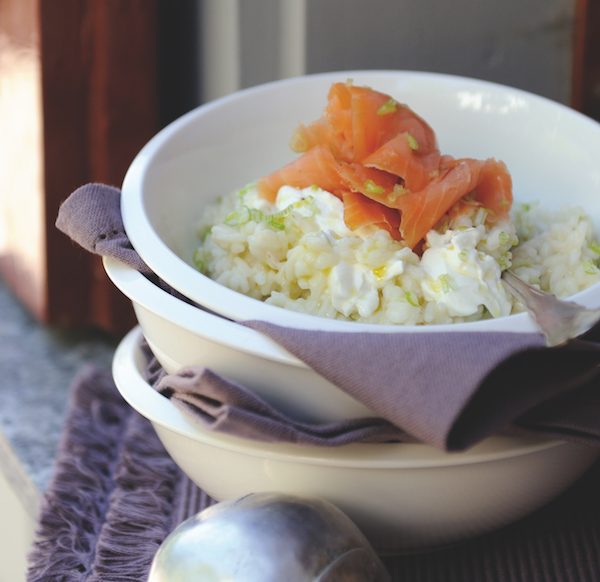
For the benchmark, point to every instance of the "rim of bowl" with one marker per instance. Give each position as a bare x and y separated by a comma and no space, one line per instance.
159,410
194,319
175,271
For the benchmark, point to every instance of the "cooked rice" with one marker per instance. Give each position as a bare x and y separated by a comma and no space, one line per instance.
287,258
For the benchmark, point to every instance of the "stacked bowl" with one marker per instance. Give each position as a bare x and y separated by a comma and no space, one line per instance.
401,495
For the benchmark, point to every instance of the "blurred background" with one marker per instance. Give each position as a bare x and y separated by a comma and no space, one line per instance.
85,83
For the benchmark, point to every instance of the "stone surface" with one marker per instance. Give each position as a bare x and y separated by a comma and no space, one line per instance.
37,366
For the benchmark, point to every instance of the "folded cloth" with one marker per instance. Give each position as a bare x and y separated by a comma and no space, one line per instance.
115,495
225,406
92,217
447,389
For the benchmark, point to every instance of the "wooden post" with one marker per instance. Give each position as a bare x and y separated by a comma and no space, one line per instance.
94,80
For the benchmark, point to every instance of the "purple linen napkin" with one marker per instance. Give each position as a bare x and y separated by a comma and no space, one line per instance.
476,383
228,407
92,217
115,495
449,390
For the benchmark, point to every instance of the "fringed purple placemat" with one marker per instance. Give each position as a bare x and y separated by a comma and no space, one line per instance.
116,494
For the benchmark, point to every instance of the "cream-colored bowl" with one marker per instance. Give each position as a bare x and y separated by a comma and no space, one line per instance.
181,335
402,496
551,151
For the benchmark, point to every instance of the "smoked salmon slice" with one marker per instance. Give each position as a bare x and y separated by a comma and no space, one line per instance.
322,133
370,182
494,189
398,157
359,211
359,120
316,167
377,118
383,160
420,211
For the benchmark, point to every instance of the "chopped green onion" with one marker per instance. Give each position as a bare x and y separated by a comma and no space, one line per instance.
446,283
238,217
411,298
388,107
504,261
373,188
243,216
275,221
412,142
595,247
256,215
198,261
396,192
590,267
247,188
204,232
526,207
463,255
504,238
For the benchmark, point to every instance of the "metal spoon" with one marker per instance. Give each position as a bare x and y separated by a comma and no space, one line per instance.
268,537
558,320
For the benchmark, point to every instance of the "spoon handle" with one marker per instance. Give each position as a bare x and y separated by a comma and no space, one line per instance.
558,320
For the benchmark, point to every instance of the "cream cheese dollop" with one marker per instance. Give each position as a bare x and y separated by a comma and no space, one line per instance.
462,277
353,288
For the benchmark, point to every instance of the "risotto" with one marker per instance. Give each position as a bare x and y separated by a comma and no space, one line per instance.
298,253
373,223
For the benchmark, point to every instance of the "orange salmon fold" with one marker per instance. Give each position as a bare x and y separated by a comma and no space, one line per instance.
361,211
420,211
316,167
383,161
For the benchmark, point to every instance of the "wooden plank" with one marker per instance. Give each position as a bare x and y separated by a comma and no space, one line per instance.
102,78
65,54
100,107
586,58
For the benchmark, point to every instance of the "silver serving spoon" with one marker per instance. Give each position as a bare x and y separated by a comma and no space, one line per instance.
268,537
558,320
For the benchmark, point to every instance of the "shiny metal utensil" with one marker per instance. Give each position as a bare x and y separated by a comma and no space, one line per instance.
558,320
268,537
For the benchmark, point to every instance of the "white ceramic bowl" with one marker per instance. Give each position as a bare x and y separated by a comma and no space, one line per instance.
550,150
402,496
182,335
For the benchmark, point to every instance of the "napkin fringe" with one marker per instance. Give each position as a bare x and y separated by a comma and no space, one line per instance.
78,496
114,496
142,509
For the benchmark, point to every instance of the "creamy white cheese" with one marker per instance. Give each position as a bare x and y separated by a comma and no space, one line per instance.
353,288
327,209
460,276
